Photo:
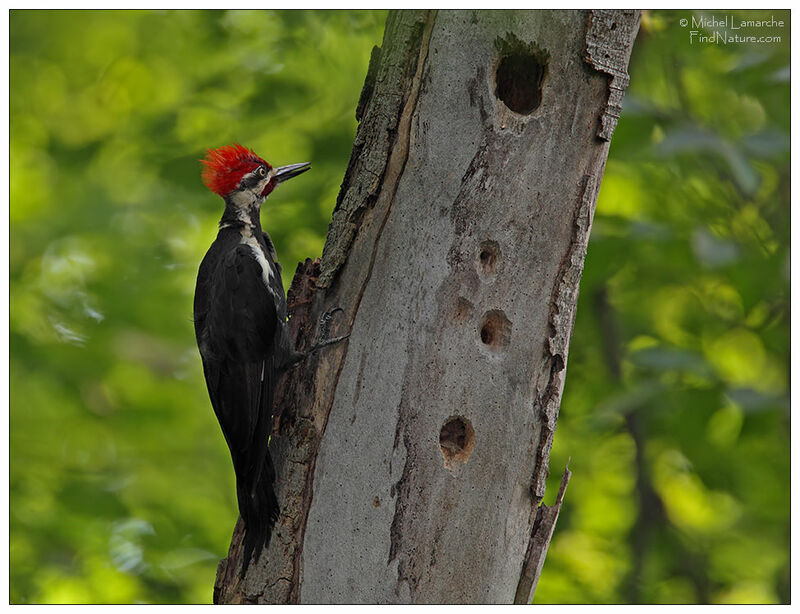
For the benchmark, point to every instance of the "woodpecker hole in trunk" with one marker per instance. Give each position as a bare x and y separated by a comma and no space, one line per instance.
488,255
520,74
457,440
495,330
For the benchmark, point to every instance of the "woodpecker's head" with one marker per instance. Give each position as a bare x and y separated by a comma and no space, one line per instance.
241,177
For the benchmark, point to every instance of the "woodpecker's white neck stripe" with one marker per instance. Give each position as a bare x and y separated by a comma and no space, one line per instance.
258,252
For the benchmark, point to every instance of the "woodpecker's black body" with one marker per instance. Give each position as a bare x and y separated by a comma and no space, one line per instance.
239,323
241,330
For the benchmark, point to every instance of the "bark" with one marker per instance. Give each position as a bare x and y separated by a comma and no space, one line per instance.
412,458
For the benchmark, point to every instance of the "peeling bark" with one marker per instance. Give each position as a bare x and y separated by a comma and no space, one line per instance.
412,458
609,41
543,527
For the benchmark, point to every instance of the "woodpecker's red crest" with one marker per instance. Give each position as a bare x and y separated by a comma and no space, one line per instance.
225,167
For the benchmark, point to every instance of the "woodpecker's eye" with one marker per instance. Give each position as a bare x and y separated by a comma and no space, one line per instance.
262,171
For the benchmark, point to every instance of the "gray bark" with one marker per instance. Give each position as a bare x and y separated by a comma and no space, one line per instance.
412,458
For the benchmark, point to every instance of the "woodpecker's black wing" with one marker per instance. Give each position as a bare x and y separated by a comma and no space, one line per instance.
237,324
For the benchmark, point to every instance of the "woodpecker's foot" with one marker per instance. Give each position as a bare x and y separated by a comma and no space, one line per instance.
328,342
299,357
325,322
324,330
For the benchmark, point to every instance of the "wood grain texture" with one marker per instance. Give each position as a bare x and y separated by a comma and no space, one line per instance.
413,458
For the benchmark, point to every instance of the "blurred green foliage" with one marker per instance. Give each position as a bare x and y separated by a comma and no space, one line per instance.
675,412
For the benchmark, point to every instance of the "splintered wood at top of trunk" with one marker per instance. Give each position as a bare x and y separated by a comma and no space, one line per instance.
418,452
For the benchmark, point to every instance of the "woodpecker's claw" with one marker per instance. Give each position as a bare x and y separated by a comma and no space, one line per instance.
328,342
299,357
324,331
325,322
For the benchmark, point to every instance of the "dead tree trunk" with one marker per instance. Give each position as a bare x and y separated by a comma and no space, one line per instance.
416,460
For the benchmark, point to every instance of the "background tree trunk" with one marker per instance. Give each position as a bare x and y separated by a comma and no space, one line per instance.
413,457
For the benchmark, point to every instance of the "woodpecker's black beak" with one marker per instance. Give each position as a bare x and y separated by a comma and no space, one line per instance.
282,173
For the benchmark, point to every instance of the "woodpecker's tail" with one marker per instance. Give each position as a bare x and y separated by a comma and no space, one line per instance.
242,398
259,508
256,485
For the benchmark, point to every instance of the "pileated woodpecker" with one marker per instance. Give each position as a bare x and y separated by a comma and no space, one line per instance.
241,329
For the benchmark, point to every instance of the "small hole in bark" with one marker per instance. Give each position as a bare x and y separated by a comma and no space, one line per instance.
487,257
457,440
495,330
519,82
613,25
